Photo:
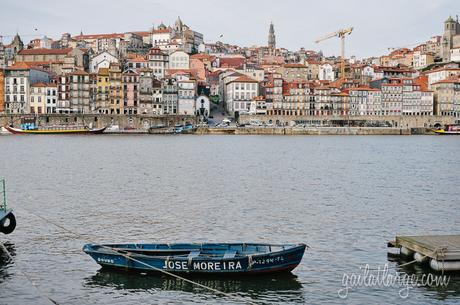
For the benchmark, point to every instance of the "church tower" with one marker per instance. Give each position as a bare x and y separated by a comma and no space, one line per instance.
450,30
271,37
178,25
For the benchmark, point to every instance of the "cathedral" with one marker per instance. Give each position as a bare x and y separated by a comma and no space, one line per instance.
451,38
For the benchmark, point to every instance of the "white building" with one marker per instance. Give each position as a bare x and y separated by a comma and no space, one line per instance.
202,106
161,36
421,60
252,72
51,98
158,62
18,80
392,99
440,74
186,94
102,60
43,98
455,54
326,72
368,71
45,43
239,94
37,98
179,60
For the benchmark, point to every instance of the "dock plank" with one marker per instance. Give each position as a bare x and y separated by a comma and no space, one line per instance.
439,247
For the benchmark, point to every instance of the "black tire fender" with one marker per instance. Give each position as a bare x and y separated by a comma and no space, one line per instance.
7,229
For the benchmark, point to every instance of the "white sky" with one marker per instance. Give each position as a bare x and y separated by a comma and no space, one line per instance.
378,24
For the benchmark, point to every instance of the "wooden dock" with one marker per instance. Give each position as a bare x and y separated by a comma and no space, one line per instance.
439,247
442,251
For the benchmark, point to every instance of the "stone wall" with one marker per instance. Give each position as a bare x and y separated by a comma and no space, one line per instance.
306,131
100,120
395,121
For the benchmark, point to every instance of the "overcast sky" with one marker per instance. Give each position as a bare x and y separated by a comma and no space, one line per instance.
378,25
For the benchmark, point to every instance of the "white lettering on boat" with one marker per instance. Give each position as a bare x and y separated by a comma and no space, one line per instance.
105,260
175,265
268,260
208,266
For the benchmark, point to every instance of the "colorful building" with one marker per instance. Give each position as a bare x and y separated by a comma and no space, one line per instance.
102,91
116,89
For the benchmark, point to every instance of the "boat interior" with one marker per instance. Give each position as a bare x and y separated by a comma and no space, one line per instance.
223,251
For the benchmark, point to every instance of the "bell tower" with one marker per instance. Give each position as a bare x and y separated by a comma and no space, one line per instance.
271,37
450,30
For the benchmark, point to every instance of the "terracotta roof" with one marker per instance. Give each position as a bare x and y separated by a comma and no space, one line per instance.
78,72
202,56
450,80
243,79
363,89
172,72
20,66
442,69
231,61
45,51
294,66
38,85
142,33
138,59
161,31
103,71
100,36
156,50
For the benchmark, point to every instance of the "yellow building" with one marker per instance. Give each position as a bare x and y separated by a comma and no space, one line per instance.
102,91
37,102
115,89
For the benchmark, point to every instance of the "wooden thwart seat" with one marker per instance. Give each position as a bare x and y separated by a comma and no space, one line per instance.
230,254
193,254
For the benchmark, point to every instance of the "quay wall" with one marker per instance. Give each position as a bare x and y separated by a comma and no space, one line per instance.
395,121
145,121
309,131
102,120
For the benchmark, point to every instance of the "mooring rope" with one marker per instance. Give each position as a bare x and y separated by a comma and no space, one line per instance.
434,253
82,237
40,293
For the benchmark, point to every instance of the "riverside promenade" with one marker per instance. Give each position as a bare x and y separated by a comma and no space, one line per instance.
358,125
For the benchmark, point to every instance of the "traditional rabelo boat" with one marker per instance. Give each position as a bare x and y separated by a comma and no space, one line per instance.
243,259
57,130
449,130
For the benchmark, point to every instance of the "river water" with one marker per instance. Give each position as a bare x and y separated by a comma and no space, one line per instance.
344,196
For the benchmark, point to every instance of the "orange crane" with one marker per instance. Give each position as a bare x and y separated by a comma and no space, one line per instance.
341,34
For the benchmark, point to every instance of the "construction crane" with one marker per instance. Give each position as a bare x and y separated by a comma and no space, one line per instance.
341,34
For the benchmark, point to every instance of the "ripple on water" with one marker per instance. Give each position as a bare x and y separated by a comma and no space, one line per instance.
344,196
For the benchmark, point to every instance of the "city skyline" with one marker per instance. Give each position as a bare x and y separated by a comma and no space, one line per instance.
242,26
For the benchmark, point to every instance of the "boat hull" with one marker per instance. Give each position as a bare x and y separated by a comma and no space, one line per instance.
256,263
447,133
56,131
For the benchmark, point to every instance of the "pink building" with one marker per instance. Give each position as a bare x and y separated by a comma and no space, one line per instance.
130,80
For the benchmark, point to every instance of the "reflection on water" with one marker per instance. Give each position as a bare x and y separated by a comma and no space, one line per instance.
5,260
442,292
344,196
252,286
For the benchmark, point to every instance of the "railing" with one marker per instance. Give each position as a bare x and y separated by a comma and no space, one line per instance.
3,195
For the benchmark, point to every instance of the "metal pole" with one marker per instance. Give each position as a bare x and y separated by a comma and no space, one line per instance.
4,195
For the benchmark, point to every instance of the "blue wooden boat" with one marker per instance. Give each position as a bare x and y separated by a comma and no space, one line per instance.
235,259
